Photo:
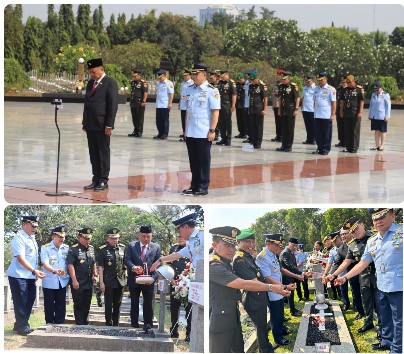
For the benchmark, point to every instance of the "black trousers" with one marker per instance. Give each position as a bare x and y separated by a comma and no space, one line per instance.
137,118
369,297
278,123
308,118
259,319
113,301
199,161
183,115
241,121
175,305
225,124
341,130
276,309
288,130
352,129
55,304
356,294
98,147
81,306
291,301
344,294
162,121
323,134
305,289
257,129
229,341
148,293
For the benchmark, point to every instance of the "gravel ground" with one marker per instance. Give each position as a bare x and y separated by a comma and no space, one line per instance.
314,335
100,332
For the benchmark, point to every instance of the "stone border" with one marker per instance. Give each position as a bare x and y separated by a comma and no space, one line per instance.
345,338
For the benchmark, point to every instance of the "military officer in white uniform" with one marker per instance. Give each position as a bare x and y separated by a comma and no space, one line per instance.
53,258
182,105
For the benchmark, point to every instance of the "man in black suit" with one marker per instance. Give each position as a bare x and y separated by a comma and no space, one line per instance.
139,257
100,107
288,261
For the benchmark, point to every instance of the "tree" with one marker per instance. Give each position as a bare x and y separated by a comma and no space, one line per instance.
267,14
66,23
397,36
33,41
13,33
223,21
68,57
83,21
144,27
251,14
51,33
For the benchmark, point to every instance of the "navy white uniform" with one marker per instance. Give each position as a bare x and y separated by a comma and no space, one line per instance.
183,101
308,112
387,254
164,90
53,285
201,101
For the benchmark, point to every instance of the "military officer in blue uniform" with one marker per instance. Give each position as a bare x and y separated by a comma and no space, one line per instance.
164,103
288,103
23,273
379,114
385,249
228,95
352,104
225,335
186,227
324,113
255,303
258,94
53,258
82,270
138,98
308,109
202,117
240,110
270,267
182,105
111,270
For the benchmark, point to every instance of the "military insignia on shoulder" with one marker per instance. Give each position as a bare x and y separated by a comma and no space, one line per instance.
353,240
295,86
240,254
103,246
262,253
209,85
90,246
46,245
359,87
75,245
331,87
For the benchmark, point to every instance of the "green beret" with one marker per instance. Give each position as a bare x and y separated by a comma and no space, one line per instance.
246,234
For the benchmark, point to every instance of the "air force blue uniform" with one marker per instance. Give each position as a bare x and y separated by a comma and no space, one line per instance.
387,254
53,285
194,247
270,267
308,112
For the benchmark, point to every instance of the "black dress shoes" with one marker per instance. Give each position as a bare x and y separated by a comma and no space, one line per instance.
297,313
358,316
365,328
200,192
221,142
132,134
316,152
379,346
345,308
286,332
101,186
25,333
90,186
247,141
287,150
187,339
189,191
157,136
163,137
257,146
324,153
280,149
136,325
339,145
285,319
175,335
283,342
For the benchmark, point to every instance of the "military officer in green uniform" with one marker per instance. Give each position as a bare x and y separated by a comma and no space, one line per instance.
82,270
255,303
138,98
228,95
111,270
367,277
288,103
214,78
225,335
258,95
352,103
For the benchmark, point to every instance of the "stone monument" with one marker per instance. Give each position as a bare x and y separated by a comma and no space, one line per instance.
196,297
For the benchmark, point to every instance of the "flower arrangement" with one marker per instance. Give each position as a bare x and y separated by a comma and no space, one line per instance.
316,258
181,289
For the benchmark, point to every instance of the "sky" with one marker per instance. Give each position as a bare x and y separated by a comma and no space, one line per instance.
365,17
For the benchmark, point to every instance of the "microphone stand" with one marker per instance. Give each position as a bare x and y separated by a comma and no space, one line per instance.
56,101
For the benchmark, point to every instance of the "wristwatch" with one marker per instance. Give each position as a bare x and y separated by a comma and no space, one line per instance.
33,272
54,271
270,287
211,130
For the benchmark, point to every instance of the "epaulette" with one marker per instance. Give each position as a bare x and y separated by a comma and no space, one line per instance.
231,80
351,241
262,83
121,245
373,236
293,83
201,229
239,254
47,244
359,86
210,85
262,253
330,86
103,246
75,245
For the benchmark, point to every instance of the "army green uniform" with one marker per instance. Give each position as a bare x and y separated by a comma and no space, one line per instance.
226,89
137,108
288,94
225,335
114,277
352,124
367,278
255,303
83,260
242,122
256,94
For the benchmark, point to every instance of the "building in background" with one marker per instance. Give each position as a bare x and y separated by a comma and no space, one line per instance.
206,14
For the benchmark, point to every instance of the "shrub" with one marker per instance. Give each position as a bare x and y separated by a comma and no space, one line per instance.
389,85
15,78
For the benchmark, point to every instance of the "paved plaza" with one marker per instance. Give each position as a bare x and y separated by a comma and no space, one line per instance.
156,171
